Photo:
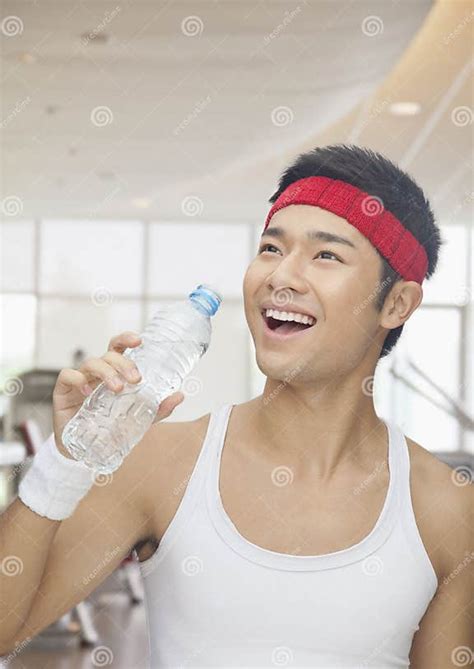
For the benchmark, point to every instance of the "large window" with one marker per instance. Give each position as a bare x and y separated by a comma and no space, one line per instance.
69,285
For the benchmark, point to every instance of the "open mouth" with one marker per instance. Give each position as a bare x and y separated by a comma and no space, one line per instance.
284,328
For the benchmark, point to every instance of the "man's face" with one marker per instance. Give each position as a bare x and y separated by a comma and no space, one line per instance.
337,283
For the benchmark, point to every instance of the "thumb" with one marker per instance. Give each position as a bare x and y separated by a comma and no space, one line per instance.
168,405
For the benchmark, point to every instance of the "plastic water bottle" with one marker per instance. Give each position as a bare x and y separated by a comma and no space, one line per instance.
108,425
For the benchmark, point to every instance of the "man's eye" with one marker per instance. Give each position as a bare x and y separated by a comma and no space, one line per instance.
265,247
330,253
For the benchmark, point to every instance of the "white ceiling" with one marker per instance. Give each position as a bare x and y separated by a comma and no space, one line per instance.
223,75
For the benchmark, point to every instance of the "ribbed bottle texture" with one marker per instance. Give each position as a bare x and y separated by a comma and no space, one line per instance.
108,425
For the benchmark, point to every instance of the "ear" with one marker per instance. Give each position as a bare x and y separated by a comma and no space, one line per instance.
401,302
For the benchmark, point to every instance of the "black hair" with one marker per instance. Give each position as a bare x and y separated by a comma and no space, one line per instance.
382,179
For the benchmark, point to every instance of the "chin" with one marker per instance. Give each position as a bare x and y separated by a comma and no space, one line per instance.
278,368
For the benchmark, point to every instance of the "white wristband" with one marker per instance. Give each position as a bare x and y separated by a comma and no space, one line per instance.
54,485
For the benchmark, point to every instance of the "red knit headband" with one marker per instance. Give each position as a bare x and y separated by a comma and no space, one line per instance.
397,245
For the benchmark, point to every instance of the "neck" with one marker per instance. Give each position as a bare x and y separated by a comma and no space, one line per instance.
318,428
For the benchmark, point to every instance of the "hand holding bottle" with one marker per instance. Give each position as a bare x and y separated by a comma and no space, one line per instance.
114,369
112,420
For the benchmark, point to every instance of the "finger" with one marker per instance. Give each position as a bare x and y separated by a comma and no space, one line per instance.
124,366
124,340
168,405
96,368
69,379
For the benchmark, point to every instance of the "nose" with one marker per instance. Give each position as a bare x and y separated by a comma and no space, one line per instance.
287,277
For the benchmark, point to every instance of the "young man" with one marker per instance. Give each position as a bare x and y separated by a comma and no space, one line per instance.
296,529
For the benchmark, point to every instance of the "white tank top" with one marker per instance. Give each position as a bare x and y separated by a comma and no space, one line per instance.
215,599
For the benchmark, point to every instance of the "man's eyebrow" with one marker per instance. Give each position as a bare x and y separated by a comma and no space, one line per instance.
277,232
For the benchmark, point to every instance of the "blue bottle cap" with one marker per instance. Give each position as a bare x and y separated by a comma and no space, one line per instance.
208,297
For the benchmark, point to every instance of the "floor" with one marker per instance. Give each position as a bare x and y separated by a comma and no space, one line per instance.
122,640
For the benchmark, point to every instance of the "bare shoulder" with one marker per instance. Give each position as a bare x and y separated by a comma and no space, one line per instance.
166,448
443,502
444,484
161,464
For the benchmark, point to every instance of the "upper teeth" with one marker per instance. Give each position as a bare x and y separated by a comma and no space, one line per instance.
289,316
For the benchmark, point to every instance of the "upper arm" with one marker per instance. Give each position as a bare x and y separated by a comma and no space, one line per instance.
109,521
446,632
